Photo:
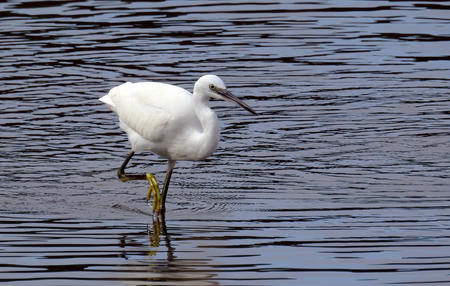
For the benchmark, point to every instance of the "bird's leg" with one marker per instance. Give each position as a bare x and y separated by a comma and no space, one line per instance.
159,200
129,177
170,167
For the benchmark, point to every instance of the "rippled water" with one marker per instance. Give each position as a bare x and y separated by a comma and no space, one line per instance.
342,178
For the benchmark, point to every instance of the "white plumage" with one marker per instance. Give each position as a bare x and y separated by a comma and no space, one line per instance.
169,120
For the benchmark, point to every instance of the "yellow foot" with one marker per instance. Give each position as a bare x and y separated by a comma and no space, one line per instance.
154,188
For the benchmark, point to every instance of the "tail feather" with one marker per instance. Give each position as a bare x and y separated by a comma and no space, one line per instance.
114,92
107,100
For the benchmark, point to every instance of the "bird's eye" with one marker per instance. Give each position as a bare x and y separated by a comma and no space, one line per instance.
212,86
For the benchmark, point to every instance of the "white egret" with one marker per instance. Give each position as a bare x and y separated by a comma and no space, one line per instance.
169,121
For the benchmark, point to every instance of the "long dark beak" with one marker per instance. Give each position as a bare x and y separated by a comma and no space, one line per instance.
230,97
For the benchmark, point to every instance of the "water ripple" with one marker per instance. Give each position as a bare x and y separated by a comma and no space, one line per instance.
344,172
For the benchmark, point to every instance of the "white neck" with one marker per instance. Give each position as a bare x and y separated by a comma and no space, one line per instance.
206,140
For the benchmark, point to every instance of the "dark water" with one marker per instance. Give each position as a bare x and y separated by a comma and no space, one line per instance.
343,178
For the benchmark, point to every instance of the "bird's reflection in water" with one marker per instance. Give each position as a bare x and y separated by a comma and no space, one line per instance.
150,252
158,231
150,246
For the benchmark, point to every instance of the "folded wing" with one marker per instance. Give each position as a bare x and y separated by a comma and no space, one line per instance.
147,107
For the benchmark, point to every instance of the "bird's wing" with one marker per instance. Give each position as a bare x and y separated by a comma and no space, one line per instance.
147,107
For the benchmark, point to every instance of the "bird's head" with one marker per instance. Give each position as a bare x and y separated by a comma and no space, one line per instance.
212,86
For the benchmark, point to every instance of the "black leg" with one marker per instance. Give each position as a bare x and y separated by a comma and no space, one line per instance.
170,167
161,206
129,177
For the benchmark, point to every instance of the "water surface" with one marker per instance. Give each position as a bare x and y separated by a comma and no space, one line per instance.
342,177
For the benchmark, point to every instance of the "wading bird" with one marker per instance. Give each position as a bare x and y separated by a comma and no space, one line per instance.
169,121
